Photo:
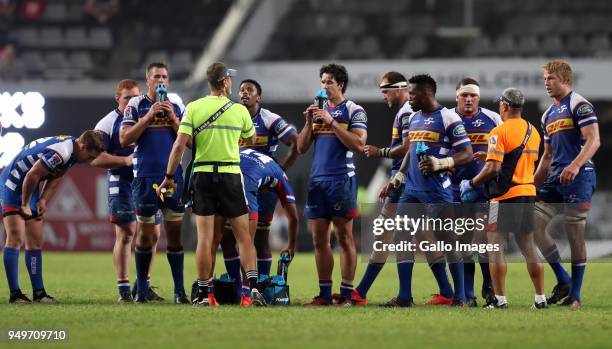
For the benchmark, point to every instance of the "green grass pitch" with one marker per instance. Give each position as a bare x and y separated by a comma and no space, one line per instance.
84,283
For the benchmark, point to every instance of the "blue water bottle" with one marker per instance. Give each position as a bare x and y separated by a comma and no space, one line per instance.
283,265
421,153
162,96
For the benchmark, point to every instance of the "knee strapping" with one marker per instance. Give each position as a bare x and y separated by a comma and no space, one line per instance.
144,219
172,216
576,218
544,211
264,226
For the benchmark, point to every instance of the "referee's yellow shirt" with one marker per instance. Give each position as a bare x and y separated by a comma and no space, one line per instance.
218,142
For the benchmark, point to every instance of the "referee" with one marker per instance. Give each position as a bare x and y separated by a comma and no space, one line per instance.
215,125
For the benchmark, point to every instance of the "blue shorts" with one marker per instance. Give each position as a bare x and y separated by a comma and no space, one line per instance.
251,191
10,201
120,203
336,197
147,202
578,192
267,204
433,202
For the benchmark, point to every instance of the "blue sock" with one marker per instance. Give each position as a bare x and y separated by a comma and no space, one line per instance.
10,256
484,269
325,289
368,278
404,272
577,275
233,270
143,261
456,270
469,269
346,290
554,260
439,271
176,260
33,260
123,285
264,264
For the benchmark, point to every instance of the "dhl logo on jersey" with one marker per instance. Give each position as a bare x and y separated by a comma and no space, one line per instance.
559,125
479,138
424,136
325,129
260,141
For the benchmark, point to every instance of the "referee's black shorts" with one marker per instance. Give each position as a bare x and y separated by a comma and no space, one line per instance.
219,194
513,215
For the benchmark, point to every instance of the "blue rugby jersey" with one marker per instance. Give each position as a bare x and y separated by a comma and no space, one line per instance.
441,131
561,124
55,153
267,173
109,127
154,145
330,158
400,132
270,128
477,127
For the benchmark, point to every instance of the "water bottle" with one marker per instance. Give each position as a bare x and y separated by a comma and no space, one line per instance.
283,265
162,96
421,153
320,99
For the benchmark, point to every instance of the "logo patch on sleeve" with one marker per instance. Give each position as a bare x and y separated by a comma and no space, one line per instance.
584,109
359,117
280,126
493,141
459,131
55,160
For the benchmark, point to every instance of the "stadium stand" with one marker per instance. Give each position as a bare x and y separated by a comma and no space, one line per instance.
63,43
415,29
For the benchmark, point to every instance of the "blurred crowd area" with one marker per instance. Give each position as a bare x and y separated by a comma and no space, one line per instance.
104,39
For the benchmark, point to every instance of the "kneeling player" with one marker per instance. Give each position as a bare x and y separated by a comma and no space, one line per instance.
44,161
261,174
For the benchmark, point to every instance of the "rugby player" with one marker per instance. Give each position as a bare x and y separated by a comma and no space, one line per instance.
23,202
270,128
337,131
439,130
478,123
261,175
566,176
118,160
152,125
394,88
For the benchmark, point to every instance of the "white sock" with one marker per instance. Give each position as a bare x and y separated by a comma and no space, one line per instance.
501,300
540,298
